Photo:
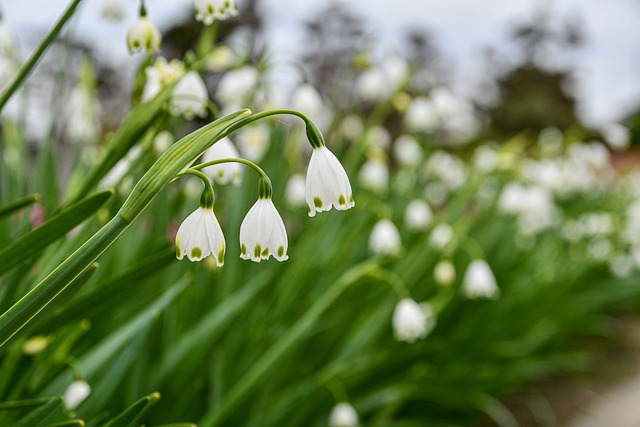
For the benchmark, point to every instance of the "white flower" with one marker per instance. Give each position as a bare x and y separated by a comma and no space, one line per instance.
236,85
421,116
113,10
616,136
479,281
378,136
75,394
307,99
35,345
412,321
208,11
189,97
295,192
7,45
162,142
407,151
199,236
418,215
220,58
448,167
441,236
444,273
373,85
160,74
253,141
327,183
262,233
385,238
343,415
223,173
374,174
143,35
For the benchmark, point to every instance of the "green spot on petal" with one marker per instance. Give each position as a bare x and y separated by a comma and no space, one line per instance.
342,200
196,252
351,198
281,251
317,202
265,253
257,251
221,256
243,249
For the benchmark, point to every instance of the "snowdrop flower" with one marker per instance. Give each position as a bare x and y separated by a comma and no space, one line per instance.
295,193
616,136
407,151
200,235
236,85
374,174
327,183
35,345
143,35
220,58
600,249
352,126
378,136
75,394
421,116
189,97
396,70
418,215
479,281
223,173
253,141
621,265
208,11
444,273
441,236
160,74
385,238
112,10
83,110
262,233
485,159
306,98
162,142
448,167
343,415
373,85
412,321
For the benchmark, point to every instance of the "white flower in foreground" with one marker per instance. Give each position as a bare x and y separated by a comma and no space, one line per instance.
418,215
262,233
208,11
199,236
295,192
412,321
327,183
223,173
75,394
343,415
385,238
444,273
479,281
189,97
113,10
143,35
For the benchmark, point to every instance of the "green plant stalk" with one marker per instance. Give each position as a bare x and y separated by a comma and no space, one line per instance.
175,159
288,340
33,61
18,204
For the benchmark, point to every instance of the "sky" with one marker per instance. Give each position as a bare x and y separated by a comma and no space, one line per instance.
608,65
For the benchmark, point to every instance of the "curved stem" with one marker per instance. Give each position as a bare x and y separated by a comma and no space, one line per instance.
31,63
393,280
265,187
207,198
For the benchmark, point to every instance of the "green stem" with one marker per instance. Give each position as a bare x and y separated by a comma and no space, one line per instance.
264,187
207,198
31,63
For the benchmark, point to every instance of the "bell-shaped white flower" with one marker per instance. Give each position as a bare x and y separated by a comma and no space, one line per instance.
343,415
374,174
327,183
253,141
262,233
113,10
385,238
189,97
199,236
143,35
412,321
160,74
208,11
479,281
418,215
441,236
223,173
75,394
236,85
295,192
444,273
407,151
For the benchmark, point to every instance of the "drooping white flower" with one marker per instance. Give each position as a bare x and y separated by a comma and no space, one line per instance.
343,415
441,236
444,273
479,281
374,174
143,35
208,11
236,85
418,215
306,98
75,394
199,236
262,233
253,141
189,97
385,238
223,173
113,10
407,151
412,321
295,192
327,183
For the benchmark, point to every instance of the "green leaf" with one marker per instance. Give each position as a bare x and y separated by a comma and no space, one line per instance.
18,204
134,412
28,403
56,227
39,415
69,423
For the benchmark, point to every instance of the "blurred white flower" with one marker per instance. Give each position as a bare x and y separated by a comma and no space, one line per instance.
143,35
220,58
596,223
223,173
385,238
444,273
189,97
621,265
83,112
35,345
343,415
441,236
374,174
534,207
418,215
421,115
208,11
253,141
262,233
396,70
160,74
378,136
327,183
485,159
199,236
113,10
616,136
236,85
162,142
448,167
7,44
307,99
479,281
412,321
75,394
600,249
373,85
407,151
295,193
352,126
